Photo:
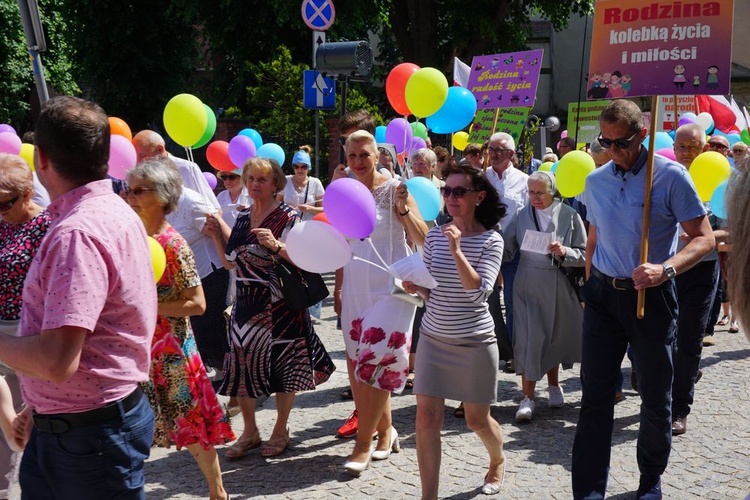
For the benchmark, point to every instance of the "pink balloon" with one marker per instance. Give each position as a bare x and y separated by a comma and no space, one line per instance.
564,134
350,207
4,127
10,143
211,179
241,149
121,156
668,153
398,132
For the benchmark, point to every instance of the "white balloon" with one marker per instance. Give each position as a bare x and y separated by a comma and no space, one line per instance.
705,120
317,247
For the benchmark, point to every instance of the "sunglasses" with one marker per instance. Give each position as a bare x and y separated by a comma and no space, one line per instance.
457,192
229,177
296,167
618,143
7,205
342,140
499,151
717,145
136,191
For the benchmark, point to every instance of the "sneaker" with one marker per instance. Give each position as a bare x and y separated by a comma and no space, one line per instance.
525,410
349,429
556,399
709,341
734,327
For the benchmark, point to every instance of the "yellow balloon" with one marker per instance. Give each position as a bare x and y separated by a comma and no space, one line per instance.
571,173
426,92
27,153
460,140
185,119
546,166
158,258
708,170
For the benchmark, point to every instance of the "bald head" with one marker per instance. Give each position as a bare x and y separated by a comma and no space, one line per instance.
718,143
148,144
689,142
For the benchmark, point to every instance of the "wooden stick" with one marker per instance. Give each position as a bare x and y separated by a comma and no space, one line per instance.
647,199
486,154
676,120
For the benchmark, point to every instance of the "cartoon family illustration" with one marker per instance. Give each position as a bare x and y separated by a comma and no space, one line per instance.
712,77
609,85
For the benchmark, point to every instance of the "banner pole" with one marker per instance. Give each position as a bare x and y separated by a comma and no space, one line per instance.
486,154
641,307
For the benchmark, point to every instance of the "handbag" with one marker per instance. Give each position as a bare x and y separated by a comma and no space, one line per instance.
301,289
576,276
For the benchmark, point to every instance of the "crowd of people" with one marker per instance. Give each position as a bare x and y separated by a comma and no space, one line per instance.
112,360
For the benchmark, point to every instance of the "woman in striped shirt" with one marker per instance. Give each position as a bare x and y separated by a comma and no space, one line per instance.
457,357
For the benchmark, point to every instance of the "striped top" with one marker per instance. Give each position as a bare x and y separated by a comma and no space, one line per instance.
451,310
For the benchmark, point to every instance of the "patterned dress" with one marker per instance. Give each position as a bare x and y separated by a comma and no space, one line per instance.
377,326
272,348
185,405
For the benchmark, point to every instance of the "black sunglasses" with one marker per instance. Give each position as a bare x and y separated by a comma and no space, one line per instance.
136,191
229,177
7,205
717,145
618,143
457,192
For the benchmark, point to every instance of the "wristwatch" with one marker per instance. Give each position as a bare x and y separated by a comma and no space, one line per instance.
670,271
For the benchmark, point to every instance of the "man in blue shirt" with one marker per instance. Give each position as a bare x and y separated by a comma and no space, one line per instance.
614,199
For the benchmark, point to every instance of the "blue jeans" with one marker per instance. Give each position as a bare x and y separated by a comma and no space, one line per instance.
609,324
94,462
508,270
696,289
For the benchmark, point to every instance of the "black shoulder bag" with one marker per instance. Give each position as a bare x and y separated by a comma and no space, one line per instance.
576,275
300,288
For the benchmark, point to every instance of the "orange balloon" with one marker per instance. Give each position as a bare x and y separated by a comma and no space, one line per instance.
395,86
117,126
217,155
322,217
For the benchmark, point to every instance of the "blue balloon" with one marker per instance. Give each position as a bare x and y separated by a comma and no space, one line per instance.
716,131
672,133
254,135
553,168
457,112
426,195
663,141
733,139
718,201
380,134
272,151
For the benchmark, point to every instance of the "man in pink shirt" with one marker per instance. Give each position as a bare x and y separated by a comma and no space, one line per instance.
88,315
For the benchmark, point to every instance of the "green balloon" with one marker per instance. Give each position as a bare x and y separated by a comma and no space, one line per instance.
419,129
745,136
210,129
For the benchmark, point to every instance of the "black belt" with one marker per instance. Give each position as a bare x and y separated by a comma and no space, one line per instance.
59,423
616,283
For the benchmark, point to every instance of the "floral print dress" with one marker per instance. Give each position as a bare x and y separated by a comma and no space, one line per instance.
185,405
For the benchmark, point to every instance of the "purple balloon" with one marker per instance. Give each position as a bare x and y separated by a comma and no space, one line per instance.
10,143
211,179
415,144
398,132
686,118
241,149
350,207
4,127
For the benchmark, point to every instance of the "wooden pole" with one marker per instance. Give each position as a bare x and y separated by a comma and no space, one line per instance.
676,120
486,154
647,198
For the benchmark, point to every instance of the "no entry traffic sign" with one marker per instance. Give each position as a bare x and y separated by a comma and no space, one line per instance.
318,14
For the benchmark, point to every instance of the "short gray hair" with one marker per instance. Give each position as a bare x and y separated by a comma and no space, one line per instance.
510,143
15,175
165,177
426,154
548,178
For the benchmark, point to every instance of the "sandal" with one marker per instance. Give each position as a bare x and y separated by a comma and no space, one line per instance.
275,446
240,447
724,321
347,394
409,380
459,412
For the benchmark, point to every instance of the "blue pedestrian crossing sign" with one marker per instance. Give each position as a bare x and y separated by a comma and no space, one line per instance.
319,92
318,14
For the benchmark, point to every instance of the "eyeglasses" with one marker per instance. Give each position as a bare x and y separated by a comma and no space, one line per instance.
229,177
7,205
717,145
299,166
342,140
499,151
618,143
457,192
538,193
136,191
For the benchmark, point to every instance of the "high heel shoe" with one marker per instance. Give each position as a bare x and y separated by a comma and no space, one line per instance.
358,468
394,447
494,487
240,447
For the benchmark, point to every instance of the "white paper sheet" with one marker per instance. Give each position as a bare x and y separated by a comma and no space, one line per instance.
536,242
412,269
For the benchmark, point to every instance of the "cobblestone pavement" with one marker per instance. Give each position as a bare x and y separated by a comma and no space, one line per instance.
712,460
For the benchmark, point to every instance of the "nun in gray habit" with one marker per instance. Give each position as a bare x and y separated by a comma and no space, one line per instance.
547,315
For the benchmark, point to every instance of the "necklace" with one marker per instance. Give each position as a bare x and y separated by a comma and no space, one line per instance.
257,218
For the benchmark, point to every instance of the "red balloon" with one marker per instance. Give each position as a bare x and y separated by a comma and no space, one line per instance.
217,154
322,217
395,86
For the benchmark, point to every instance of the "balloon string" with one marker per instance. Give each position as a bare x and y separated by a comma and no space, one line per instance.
354,257
388,270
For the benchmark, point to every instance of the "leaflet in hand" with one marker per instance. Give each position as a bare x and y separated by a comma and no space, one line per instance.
537,242
412,269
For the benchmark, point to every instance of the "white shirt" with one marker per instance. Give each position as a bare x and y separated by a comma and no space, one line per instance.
192,178
188,220
40,197
512,189
230,209
308,196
